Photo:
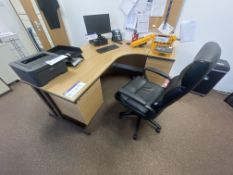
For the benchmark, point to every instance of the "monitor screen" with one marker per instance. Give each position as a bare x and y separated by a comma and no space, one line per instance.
97,23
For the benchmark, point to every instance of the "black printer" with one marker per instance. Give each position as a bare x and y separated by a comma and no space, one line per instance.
39,69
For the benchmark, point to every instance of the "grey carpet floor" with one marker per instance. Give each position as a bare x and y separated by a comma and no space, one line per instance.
196,138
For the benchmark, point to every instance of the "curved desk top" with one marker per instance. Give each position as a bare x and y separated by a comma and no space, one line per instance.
92,68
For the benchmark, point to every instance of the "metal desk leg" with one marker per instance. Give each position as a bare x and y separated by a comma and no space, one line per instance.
56,112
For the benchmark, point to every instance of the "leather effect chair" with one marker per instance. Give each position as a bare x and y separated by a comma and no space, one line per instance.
146,100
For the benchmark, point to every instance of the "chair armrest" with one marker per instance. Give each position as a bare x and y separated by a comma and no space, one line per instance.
132,96
157,71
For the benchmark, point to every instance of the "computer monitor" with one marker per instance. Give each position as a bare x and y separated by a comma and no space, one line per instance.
98,24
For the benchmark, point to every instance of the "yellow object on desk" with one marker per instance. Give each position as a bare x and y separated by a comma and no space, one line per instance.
163,44
160,44
143,40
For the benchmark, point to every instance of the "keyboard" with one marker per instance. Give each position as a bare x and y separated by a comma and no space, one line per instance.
107,48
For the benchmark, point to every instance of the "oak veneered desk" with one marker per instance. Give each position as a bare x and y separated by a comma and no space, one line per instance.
83,105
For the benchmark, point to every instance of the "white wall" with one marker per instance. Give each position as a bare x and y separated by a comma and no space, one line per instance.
213,17
74,10
9,22
214,24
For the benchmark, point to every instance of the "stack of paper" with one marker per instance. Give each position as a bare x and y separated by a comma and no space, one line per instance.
140,7
131,21
143,23
13,42
137,14
127,5
158,8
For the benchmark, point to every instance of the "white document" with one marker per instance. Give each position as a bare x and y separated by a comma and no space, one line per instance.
91,37
131,21
149,5
56,60
162,39
141,5
5,34
127,5
143,23
167,29
14,43
187,30
74,89
158,8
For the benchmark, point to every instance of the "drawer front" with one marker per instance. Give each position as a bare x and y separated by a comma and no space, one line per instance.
162,64
90,101
68,108
86,107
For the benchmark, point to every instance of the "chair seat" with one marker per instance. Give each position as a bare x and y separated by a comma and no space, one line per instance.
144,89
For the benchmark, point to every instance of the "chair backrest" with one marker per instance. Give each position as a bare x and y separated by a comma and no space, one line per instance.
190,76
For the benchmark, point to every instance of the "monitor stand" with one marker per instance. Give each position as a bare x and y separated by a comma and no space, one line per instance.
101,40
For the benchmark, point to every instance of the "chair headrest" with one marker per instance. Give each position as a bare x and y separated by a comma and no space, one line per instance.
202,64
210,53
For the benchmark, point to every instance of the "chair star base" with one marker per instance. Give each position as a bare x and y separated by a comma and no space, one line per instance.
132,115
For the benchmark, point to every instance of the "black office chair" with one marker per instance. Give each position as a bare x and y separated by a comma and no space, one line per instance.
147,100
